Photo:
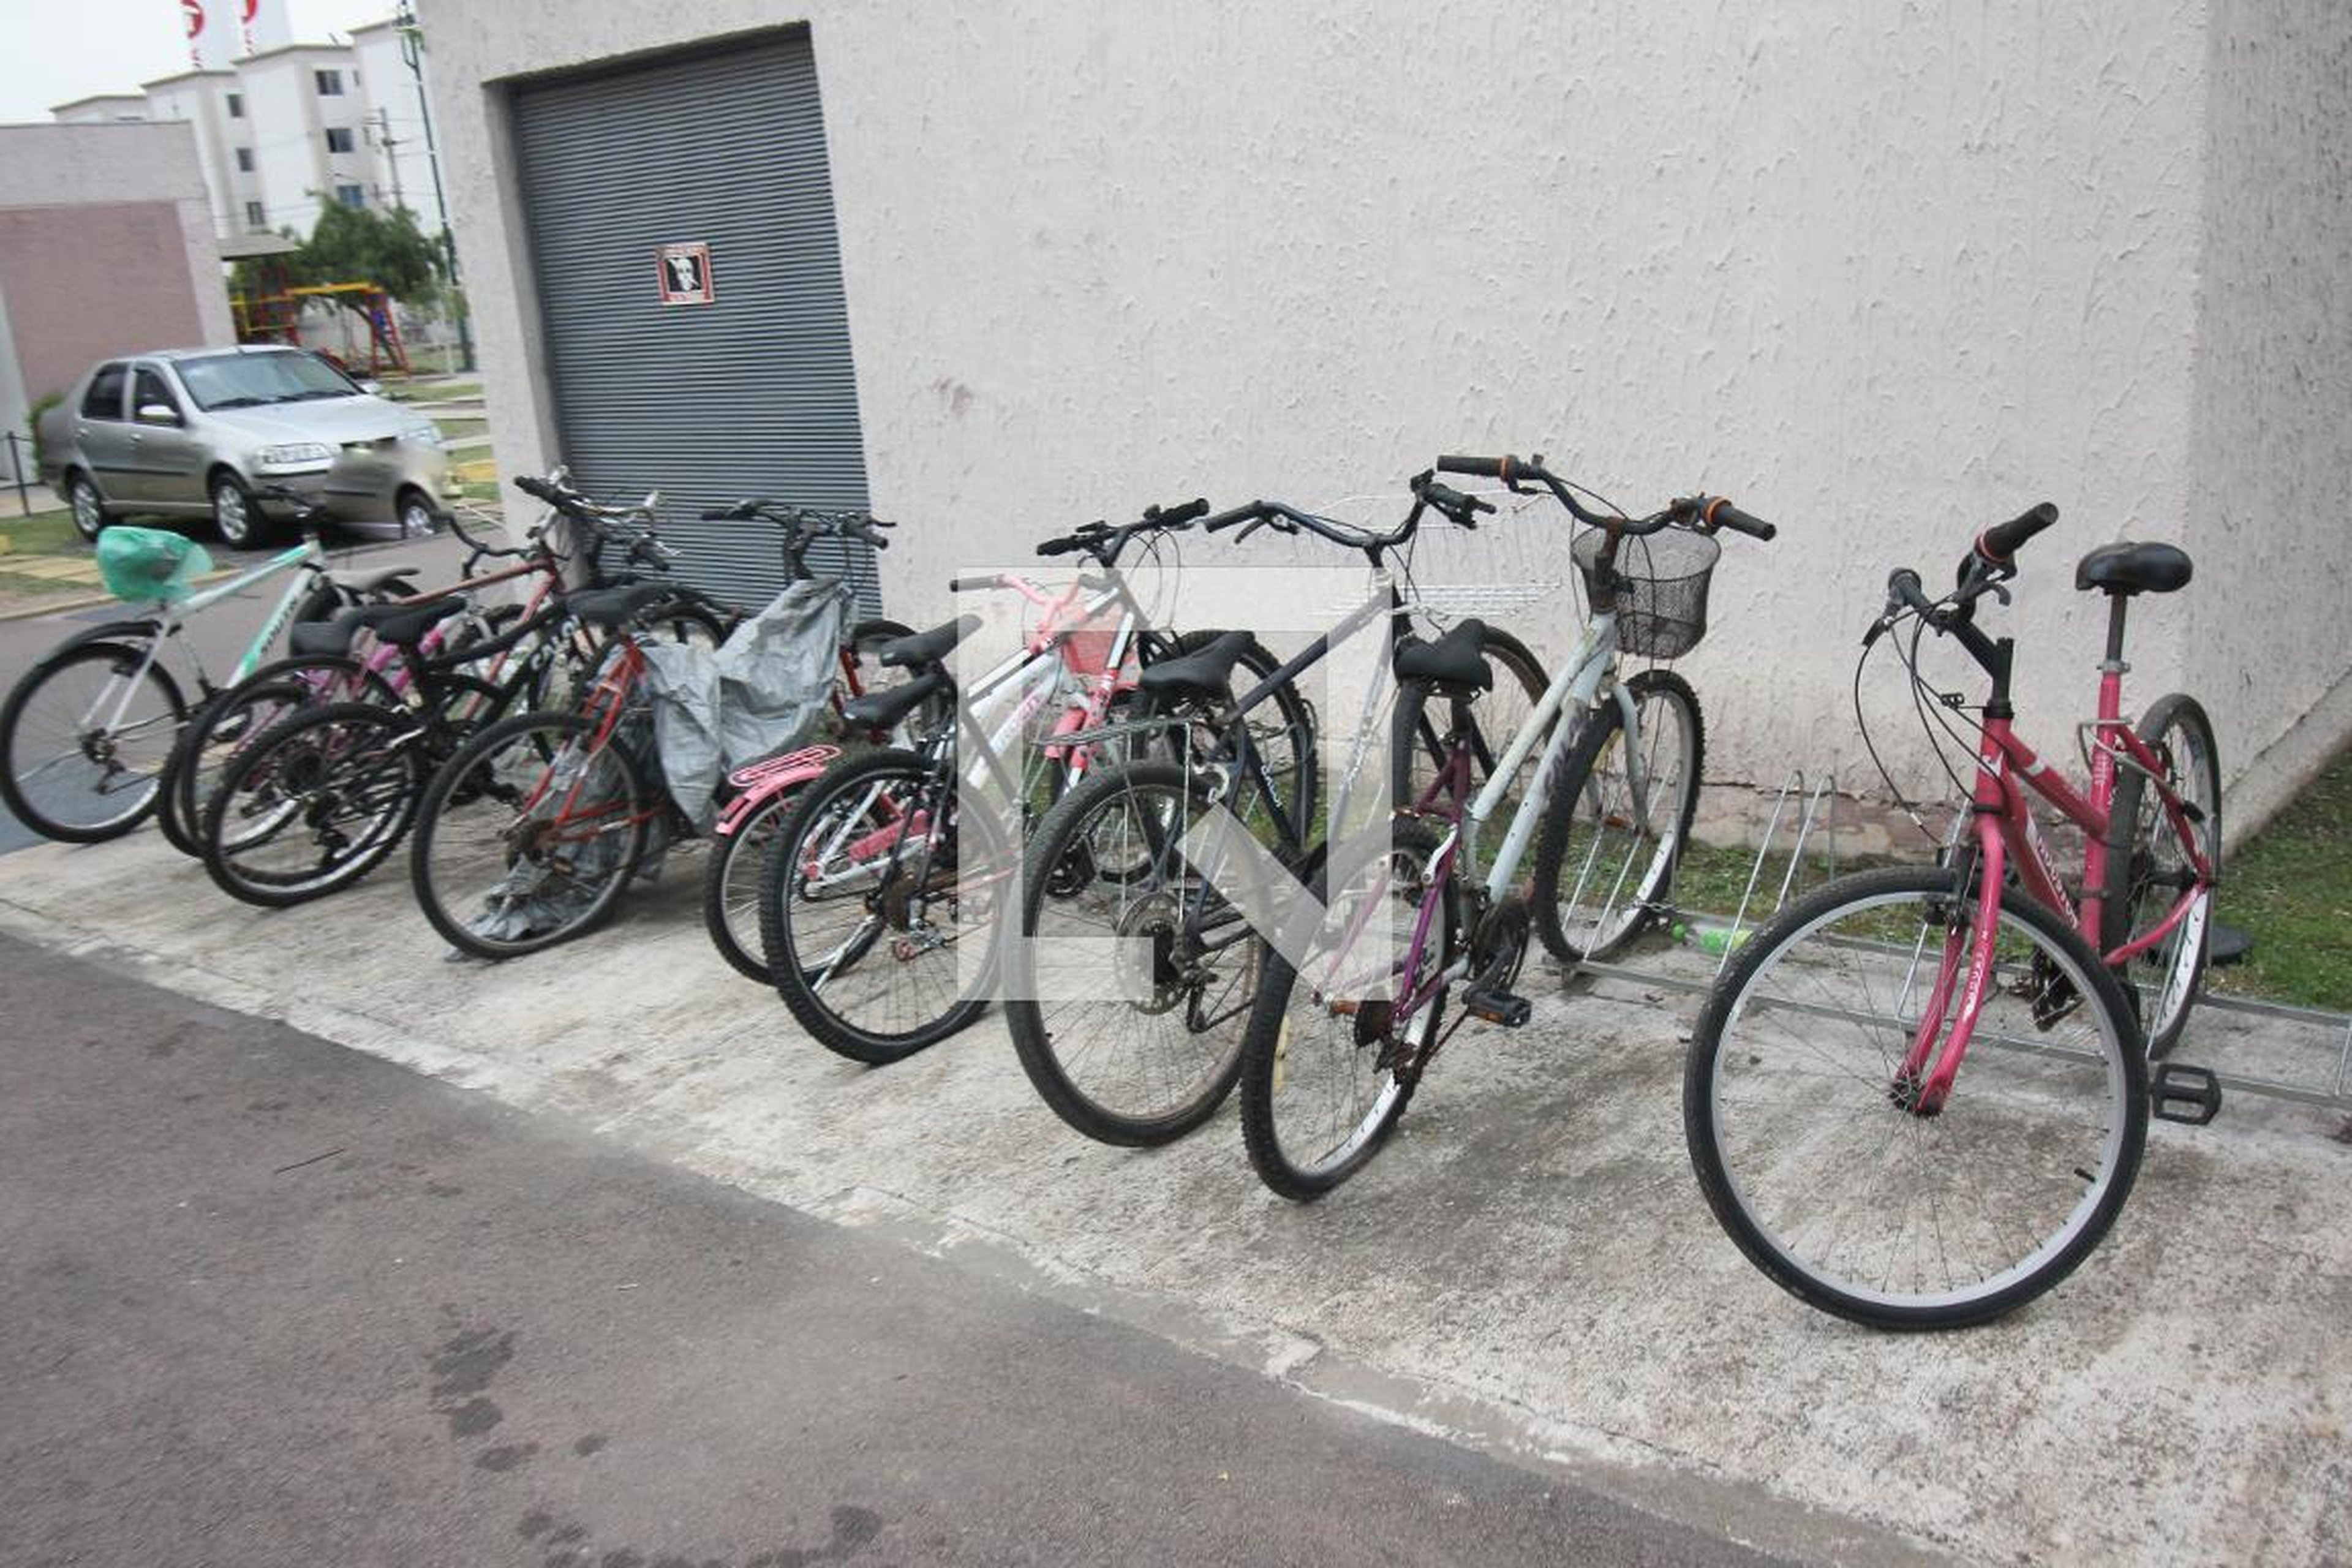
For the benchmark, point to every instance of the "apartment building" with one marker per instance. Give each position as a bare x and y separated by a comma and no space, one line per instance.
281,130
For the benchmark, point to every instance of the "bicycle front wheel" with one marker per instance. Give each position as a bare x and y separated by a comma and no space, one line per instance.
1618,819
1798,1110
877,908
237,718
2149,867
730,887
1127,989
529,833
84,740
314,805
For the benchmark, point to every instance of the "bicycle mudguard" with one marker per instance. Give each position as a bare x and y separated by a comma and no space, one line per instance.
113,631
758,782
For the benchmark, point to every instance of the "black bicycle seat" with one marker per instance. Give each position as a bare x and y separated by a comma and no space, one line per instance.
319,639
616,606
1455,664
926,648
2128,568
404,625
1205,672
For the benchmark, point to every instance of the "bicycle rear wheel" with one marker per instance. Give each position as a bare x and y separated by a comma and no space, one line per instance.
877,908
1796,1108
237,718
1126,991
84,740
730,888
1331,1058
1617,820
314,805
529,833
2148,870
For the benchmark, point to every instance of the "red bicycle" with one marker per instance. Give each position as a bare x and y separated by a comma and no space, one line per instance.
1917,1098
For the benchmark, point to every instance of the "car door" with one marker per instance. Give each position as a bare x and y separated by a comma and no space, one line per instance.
102,430
168,456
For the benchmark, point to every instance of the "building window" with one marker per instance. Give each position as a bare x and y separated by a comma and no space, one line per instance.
237,106
245,160
338,139
330,83
254,217
352,195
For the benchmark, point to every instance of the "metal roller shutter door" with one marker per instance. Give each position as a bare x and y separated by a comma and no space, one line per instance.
753,394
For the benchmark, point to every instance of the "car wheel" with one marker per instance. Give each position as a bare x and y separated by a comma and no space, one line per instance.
417,514
236,513
89,506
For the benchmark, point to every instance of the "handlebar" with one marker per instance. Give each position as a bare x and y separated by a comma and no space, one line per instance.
1105,543
1998,545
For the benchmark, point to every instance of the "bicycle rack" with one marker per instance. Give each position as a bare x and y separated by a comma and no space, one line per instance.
2290,1035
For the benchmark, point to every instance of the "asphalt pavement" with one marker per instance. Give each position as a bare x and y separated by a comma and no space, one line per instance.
270,1300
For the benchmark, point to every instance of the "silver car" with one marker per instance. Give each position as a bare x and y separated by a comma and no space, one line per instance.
192,432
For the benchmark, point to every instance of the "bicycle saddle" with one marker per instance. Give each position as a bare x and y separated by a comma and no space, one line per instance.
883,709
373,580
1205,672
1455,664
927,647
318,639
615,606
2128,568
404,625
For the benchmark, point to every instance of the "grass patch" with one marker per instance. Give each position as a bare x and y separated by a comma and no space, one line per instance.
43,534
436,392
2290,889
459,430
16,585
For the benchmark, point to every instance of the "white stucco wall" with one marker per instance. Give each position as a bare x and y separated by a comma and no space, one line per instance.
1885,275
2271,439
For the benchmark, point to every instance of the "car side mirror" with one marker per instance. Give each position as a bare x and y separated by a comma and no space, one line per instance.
158,413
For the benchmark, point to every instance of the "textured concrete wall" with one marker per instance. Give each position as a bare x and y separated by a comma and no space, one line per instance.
105,246
2271,439
1885,275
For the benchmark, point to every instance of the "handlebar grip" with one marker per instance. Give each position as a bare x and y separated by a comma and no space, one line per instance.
1902,587
1177,516
539,490
2000,542
1450,501
974,584
1058,546
1719,512
1236,514
1484,467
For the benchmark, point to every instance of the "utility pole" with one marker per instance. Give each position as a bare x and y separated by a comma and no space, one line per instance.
412,49
392,145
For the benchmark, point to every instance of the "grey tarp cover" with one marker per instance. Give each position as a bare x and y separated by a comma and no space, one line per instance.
752,698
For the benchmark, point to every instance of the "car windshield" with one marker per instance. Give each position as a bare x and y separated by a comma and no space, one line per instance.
247,380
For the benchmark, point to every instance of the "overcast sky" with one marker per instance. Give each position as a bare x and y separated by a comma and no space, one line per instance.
59,50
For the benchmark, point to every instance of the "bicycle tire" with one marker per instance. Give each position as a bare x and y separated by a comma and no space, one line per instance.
1287,742
918,1007
1168,1085
552,829
731,877
1589,801
241,715
1416,742
315,804
1796,1128
2139,832
1368,1085
67,782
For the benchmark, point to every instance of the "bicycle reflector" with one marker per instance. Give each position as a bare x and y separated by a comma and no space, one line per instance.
144,564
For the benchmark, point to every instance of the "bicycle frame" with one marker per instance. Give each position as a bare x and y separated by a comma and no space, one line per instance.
172,616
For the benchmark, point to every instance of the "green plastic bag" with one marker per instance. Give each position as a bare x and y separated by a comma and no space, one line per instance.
142,564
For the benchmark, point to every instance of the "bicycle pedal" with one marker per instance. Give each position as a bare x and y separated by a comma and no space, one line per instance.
1493,1005
2183,1093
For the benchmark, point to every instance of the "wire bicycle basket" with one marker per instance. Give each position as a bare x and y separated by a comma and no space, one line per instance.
1660,588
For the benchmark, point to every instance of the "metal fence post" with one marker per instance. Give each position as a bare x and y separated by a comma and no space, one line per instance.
17,468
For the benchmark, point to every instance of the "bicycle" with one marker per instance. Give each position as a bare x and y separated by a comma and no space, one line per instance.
1339,1040
1146,1054
86,733
319,798
758,793
877,876
1832,1127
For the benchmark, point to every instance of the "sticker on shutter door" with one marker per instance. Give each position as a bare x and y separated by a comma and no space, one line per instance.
685,272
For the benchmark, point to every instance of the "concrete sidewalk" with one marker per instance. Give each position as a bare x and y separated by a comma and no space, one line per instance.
1528,1269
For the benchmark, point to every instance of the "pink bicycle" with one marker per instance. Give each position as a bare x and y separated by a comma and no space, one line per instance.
1917,1098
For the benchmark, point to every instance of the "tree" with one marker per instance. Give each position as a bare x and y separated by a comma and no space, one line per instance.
363,245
